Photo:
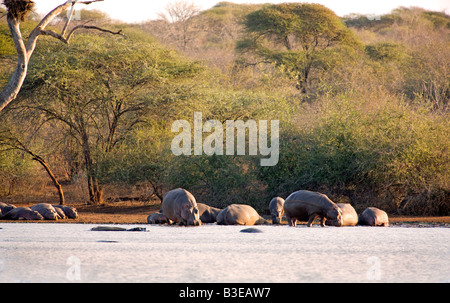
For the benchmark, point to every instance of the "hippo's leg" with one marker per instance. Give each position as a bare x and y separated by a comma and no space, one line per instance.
291,221
311,220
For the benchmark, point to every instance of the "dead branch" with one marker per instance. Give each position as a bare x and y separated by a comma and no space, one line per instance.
78,27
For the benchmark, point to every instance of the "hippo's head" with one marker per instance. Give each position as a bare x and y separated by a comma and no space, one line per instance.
334,215
71,212
276,214
191,214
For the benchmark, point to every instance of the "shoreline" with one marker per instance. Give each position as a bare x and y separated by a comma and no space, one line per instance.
137,213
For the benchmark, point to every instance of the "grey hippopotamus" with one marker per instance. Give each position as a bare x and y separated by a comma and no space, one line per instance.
239,214
5,208
69,211
46,210
373,216
208,214
276,207
180,206
158,218
349,215
306,205
60,212
23,213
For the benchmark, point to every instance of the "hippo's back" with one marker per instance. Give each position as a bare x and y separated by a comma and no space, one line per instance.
373,216
349,215
239,214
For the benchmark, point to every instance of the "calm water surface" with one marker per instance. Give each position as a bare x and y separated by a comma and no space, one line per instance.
211,253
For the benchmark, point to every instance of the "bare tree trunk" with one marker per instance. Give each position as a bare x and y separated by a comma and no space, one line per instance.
52,176
95,191
12,89
14,143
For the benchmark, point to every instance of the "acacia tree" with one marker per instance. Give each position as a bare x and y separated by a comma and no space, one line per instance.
95,92
17,11
181,14
293,35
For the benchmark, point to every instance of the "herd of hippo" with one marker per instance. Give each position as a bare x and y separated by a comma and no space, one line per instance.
179,206
41,211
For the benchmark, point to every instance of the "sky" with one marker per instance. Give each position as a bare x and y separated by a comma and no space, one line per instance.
132,11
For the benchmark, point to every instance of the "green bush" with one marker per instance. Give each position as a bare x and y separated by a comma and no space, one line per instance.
349,147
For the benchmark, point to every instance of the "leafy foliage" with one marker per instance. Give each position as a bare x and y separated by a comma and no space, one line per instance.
368,123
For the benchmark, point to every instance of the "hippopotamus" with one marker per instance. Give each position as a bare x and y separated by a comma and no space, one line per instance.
276,207
46,210
60,212
306,205
23,213
349,215
180,206
208,214
69,211
239,214
158,218
5,208
373,216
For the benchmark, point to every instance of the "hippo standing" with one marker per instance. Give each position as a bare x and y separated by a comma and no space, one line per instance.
373,216
306,205
276,207
46,210
349,215
208,214
23,213
69,211
239,214
180,206
158,218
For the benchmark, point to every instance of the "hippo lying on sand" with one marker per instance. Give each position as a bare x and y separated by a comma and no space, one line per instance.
60,212
349,215
373,216
305,205
158,218
46,210
69,211
239,214
208,214
276,207
25,213
180,206
5,208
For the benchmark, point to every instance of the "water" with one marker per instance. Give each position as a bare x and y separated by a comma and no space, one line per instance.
211,253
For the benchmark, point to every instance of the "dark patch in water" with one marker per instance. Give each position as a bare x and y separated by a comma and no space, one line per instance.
251,230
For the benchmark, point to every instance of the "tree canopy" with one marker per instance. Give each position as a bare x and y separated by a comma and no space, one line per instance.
293,35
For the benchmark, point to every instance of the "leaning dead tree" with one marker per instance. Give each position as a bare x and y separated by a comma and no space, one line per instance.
10,142
17,11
